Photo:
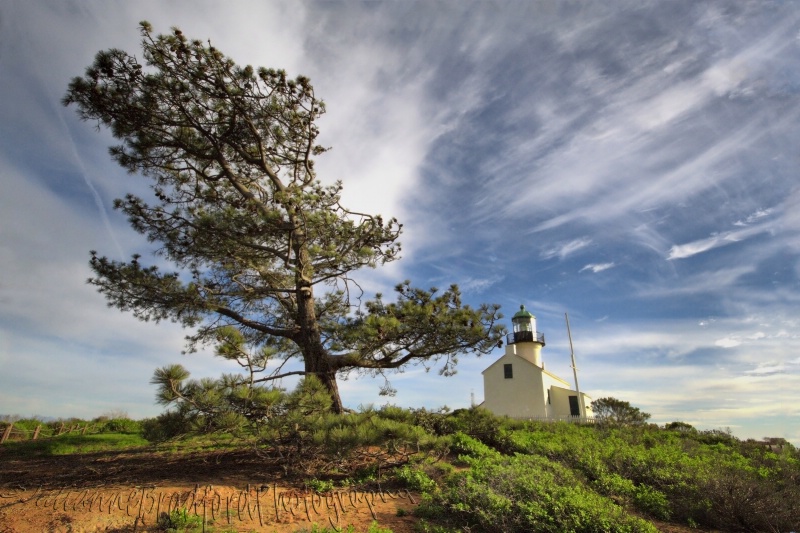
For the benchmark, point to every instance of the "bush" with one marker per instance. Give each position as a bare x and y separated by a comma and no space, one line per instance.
742,502
166,426
652,502
119,425
527,494
415,479
480,424
464,445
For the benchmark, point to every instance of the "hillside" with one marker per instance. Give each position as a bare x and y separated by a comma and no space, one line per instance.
405,470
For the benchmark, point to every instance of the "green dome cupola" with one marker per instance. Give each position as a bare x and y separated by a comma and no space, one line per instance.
524,324
523,320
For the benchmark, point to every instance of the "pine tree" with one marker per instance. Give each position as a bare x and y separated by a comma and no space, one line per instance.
262,251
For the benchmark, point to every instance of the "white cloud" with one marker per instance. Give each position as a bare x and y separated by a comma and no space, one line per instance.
696,282
687,250
565,249
597,267
727,343
767,369
761,213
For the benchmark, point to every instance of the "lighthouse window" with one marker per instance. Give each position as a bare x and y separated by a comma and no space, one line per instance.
508,371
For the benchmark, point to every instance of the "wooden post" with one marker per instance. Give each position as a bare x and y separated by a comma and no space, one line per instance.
85,429
581,406
36,432
61,429
6,433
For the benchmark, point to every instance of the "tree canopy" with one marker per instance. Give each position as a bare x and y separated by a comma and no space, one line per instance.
618,412
261,251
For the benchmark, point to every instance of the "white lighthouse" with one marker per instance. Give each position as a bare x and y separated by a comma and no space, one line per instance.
517,384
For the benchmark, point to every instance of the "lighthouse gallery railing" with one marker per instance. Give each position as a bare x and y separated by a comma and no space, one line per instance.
525,336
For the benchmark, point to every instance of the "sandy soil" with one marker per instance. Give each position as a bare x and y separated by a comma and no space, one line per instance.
126,492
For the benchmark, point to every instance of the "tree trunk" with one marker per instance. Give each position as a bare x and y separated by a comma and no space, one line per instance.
317,363
315,356
310,339
329,380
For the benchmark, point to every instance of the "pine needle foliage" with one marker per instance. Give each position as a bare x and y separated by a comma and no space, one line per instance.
260,255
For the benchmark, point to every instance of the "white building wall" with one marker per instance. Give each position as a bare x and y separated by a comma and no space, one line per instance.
524,395
560,402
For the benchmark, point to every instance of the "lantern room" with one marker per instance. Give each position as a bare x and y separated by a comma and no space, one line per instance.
524,324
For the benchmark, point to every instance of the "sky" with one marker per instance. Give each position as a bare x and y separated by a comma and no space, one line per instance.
633,164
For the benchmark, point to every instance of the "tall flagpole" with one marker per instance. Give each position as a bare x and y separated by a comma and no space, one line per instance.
581,407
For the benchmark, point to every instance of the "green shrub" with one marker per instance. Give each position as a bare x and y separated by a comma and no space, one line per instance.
464,445
320,485
612,484
119,425
415,479
480,424
527,494
652,502
179,521
166,426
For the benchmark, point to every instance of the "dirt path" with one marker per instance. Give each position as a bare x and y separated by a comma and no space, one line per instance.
232,491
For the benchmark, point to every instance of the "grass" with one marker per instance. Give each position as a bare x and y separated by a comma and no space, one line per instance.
204,443
73,444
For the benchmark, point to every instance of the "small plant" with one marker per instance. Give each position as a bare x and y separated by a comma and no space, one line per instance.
320,485
373,528
179,521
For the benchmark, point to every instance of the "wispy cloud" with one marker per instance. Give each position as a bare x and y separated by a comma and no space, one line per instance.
761,213
765,369
597,267
683,251
565,249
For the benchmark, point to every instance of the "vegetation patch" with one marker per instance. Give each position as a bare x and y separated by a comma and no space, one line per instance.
474,471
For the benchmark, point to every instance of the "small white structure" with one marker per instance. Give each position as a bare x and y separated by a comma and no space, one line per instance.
517,385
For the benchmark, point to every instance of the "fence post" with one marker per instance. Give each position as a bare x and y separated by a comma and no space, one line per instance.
36,433
85,428
6,433
61,429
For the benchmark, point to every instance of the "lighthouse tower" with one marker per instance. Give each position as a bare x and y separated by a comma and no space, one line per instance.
525,341
518,385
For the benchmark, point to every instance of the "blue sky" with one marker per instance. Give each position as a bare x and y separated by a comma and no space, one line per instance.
633,164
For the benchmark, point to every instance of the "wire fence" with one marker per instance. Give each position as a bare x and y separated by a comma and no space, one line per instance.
567,418
11,432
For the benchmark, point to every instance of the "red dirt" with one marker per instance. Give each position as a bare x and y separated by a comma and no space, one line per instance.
126,492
